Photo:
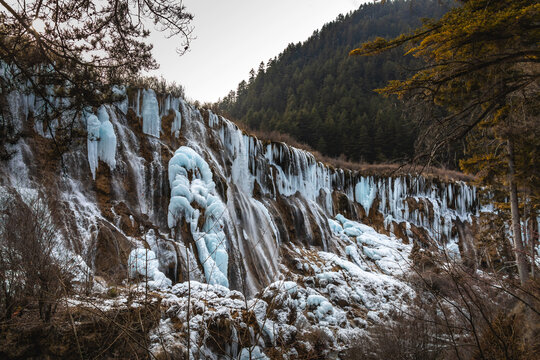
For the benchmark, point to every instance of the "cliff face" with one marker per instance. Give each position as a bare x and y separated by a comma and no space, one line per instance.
271,194
218,206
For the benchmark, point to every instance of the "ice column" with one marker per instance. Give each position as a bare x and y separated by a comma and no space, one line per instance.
192,196
150,114
365,192
107,139
101,140
177,122
92,127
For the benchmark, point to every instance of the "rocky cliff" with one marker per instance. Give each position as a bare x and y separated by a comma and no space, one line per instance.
156,189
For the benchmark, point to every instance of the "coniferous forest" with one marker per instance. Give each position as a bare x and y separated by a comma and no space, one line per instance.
322,97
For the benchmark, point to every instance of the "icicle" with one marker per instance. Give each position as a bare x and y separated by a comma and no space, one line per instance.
92,127
107,139
150,114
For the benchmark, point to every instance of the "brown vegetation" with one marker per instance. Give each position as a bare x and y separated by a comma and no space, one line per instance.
30,272
84,331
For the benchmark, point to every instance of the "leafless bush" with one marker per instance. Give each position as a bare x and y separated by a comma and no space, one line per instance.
459,314
417,334
159,85
29,271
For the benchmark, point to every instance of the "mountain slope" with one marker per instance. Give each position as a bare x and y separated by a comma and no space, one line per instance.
320,96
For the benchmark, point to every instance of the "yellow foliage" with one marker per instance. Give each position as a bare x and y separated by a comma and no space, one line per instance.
482,68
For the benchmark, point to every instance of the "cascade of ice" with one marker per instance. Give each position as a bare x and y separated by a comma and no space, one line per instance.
295,172
243,150
101,139
92,127
442,204
240,147
107,139
292,170
174,104
192,196
277,170
298,171
258,227
137,104
213,119
136,164
171,103
15,102
365,192
258,237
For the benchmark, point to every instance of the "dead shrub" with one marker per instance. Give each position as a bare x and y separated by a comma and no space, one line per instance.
458,313
30,272
319,342
414,335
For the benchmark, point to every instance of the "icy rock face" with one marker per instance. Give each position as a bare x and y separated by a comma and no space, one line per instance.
258,197
278,170
303,241
424,204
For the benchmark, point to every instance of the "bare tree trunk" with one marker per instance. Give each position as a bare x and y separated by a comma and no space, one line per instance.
534,238
516,224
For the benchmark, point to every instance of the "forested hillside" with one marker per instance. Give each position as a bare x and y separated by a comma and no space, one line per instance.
315,92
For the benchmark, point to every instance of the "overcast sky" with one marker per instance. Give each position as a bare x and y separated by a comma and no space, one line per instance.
234,36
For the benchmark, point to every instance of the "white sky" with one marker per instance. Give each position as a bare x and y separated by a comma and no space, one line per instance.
233,36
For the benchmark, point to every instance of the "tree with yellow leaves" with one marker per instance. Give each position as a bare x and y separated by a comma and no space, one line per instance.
480,80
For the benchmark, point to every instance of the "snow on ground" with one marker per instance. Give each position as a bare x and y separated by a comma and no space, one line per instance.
368,246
